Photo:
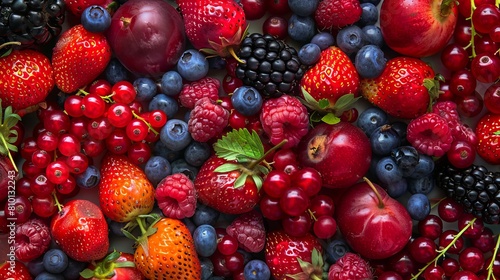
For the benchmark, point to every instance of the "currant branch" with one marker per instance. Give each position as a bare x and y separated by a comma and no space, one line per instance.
493,257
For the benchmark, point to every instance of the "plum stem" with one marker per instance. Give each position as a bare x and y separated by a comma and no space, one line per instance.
446,6
374,189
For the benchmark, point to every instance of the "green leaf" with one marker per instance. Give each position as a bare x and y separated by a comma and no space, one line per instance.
496,132
6,54
243,159
240,181
3,150
227,167
239,143
316,258
258,181
12,147
87,273
111,257
308,98
262,169
323,103
345,102
315,117
330,118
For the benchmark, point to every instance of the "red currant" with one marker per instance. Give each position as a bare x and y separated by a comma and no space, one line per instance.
28,147
139,153
464,6
56,122
77,163
23,187
67,187
484,17
486,67
430,227
484,44
325,227
463,32
93,106
402,263
41,158
423,249
389,275
495,34
307,179
68,144
284,157
485,241
235,262
278,7
73,106
471,105
433,272
454,57
270,208
297,226
322,205
47,141
474,230
137,130
30,170
461,154
275,183
449,210
57,172
157,118
119,114
44,207
41,186
231,83
450,266
349,115
464,275
118,142
294,201
492,98
19,209
237,120
254,9
100,87
100,128
227,245
447,237
471,259
136,106
78,128
276,26
123,91
93,148
462,83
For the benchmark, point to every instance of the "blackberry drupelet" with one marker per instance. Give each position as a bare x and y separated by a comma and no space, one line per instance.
476,188
31,22
271,66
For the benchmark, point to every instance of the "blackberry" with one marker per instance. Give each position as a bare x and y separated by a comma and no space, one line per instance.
31,22
270,65
476,188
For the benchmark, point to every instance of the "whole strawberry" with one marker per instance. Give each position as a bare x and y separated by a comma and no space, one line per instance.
350,266
124,190
26,78
406,88
215,26
81,231
115,266
14,270
488,133
79,57
334,14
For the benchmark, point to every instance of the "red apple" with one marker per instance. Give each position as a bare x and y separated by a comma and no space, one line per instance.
374,224
418,28
147,36
340,152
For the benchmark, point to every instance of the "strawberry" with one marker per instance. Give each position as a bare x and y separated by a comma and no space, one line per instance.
26,78
488,133
165,250
76,7
81,231
124,190
334,14
350,266
79,57
115,266
293,257
14,270
214,26
406,88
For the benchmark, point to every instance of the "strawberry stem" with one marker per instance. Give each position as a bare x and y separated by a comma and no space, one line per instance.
234,55
260,160
379,197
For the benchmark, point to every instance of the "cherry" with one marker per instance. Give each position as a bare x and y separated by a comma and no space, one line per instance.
462,83
450,266
461,154
495,34
492,98
276,26
78,128
294,201
471,259
231,83
270,208
41,186
485,241
422,249
449,210
119,114
73,106
227,245
470,106
402,263
464,6
101,87
28,147
484,17
454,57
434,272
139,153
307,179
275,183
137,130
47,141
389,275
473,231
237,120
284,157
298,225
325,227
18,210
118,142
463,32
447,237
23,187
100,128
495,266
486,67
93,106
123,92
235,262
464,275
430,227
68,144
41,158
254,9
322,205
484,44
57,172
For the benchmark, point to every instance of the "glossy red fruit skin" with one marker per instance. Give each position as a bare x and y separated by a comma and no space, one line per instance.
276,26
340,152
422,249
486,67
121,273
144,52
254,9
431,226
492,98
14,270
454,57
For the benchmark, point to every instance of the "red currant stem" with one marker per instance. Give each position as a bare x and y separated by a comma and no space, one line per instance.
255,162
9,154
472,29
10,43
312,215
108,98
493,257
437,202
150,127
58,204
81,92
443,251
379,197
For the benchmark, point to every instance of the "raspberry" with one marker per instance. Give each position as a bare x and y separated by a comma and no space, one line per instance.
284,118
447,110
334,14
249,230
430,134
207,120
176,196
32,240
194,91
459,130
462,132
350,266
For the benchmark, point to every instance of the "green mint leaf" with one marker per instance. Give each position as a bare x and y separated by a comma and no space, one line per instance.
237,143
330,118
227,167
323,103
240,181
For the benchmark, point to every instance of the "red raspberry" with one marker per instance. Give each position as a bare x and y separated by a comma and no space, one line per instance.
207,120
459,130
32,239
430,134
447,110
334,14
462,132
176,196
249,230
350,266
194,91
284,117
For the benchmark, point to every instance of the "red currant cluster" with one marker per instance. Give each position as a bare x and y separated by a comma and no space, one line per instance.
228,261
65,141
292,196
450,245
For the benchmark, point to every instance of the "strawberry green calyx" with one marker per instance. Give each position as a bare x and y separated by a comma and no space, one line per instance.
145,224
247,150
6,53
105,268
311,270
432,86
8,135
227,47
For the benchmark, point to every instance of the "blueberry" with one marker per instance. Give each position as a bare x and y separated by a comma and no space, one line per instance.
205,240
175,135
397,189
387,171
257,269
115,71
371,118
205,215
192,65
157,168
95,19
207,268
49,276
146,89
116,228
407,158
309,54
196,153
422,185
418,206
165,103
336,249
72,272
323,40
370,61
383,140
246,100
171,83
181,166
217,63
350,39
424,167
400,128
189,224
303,8
35,266
187,115
55,261
369,15
89,178
159,149
301,29
373,35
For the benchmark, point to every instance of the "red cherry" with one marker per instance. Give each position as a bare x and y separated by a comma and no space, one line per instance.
454,57
297,226
475,230
447,237
294,201
450,266
492,98
484,17
275,183
254,9
486,67
270,208
471,259
423,249
434,272
322,205
276,26
485,241
307,179
431,226
462,83
461,154
283,158
325,227
449,210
